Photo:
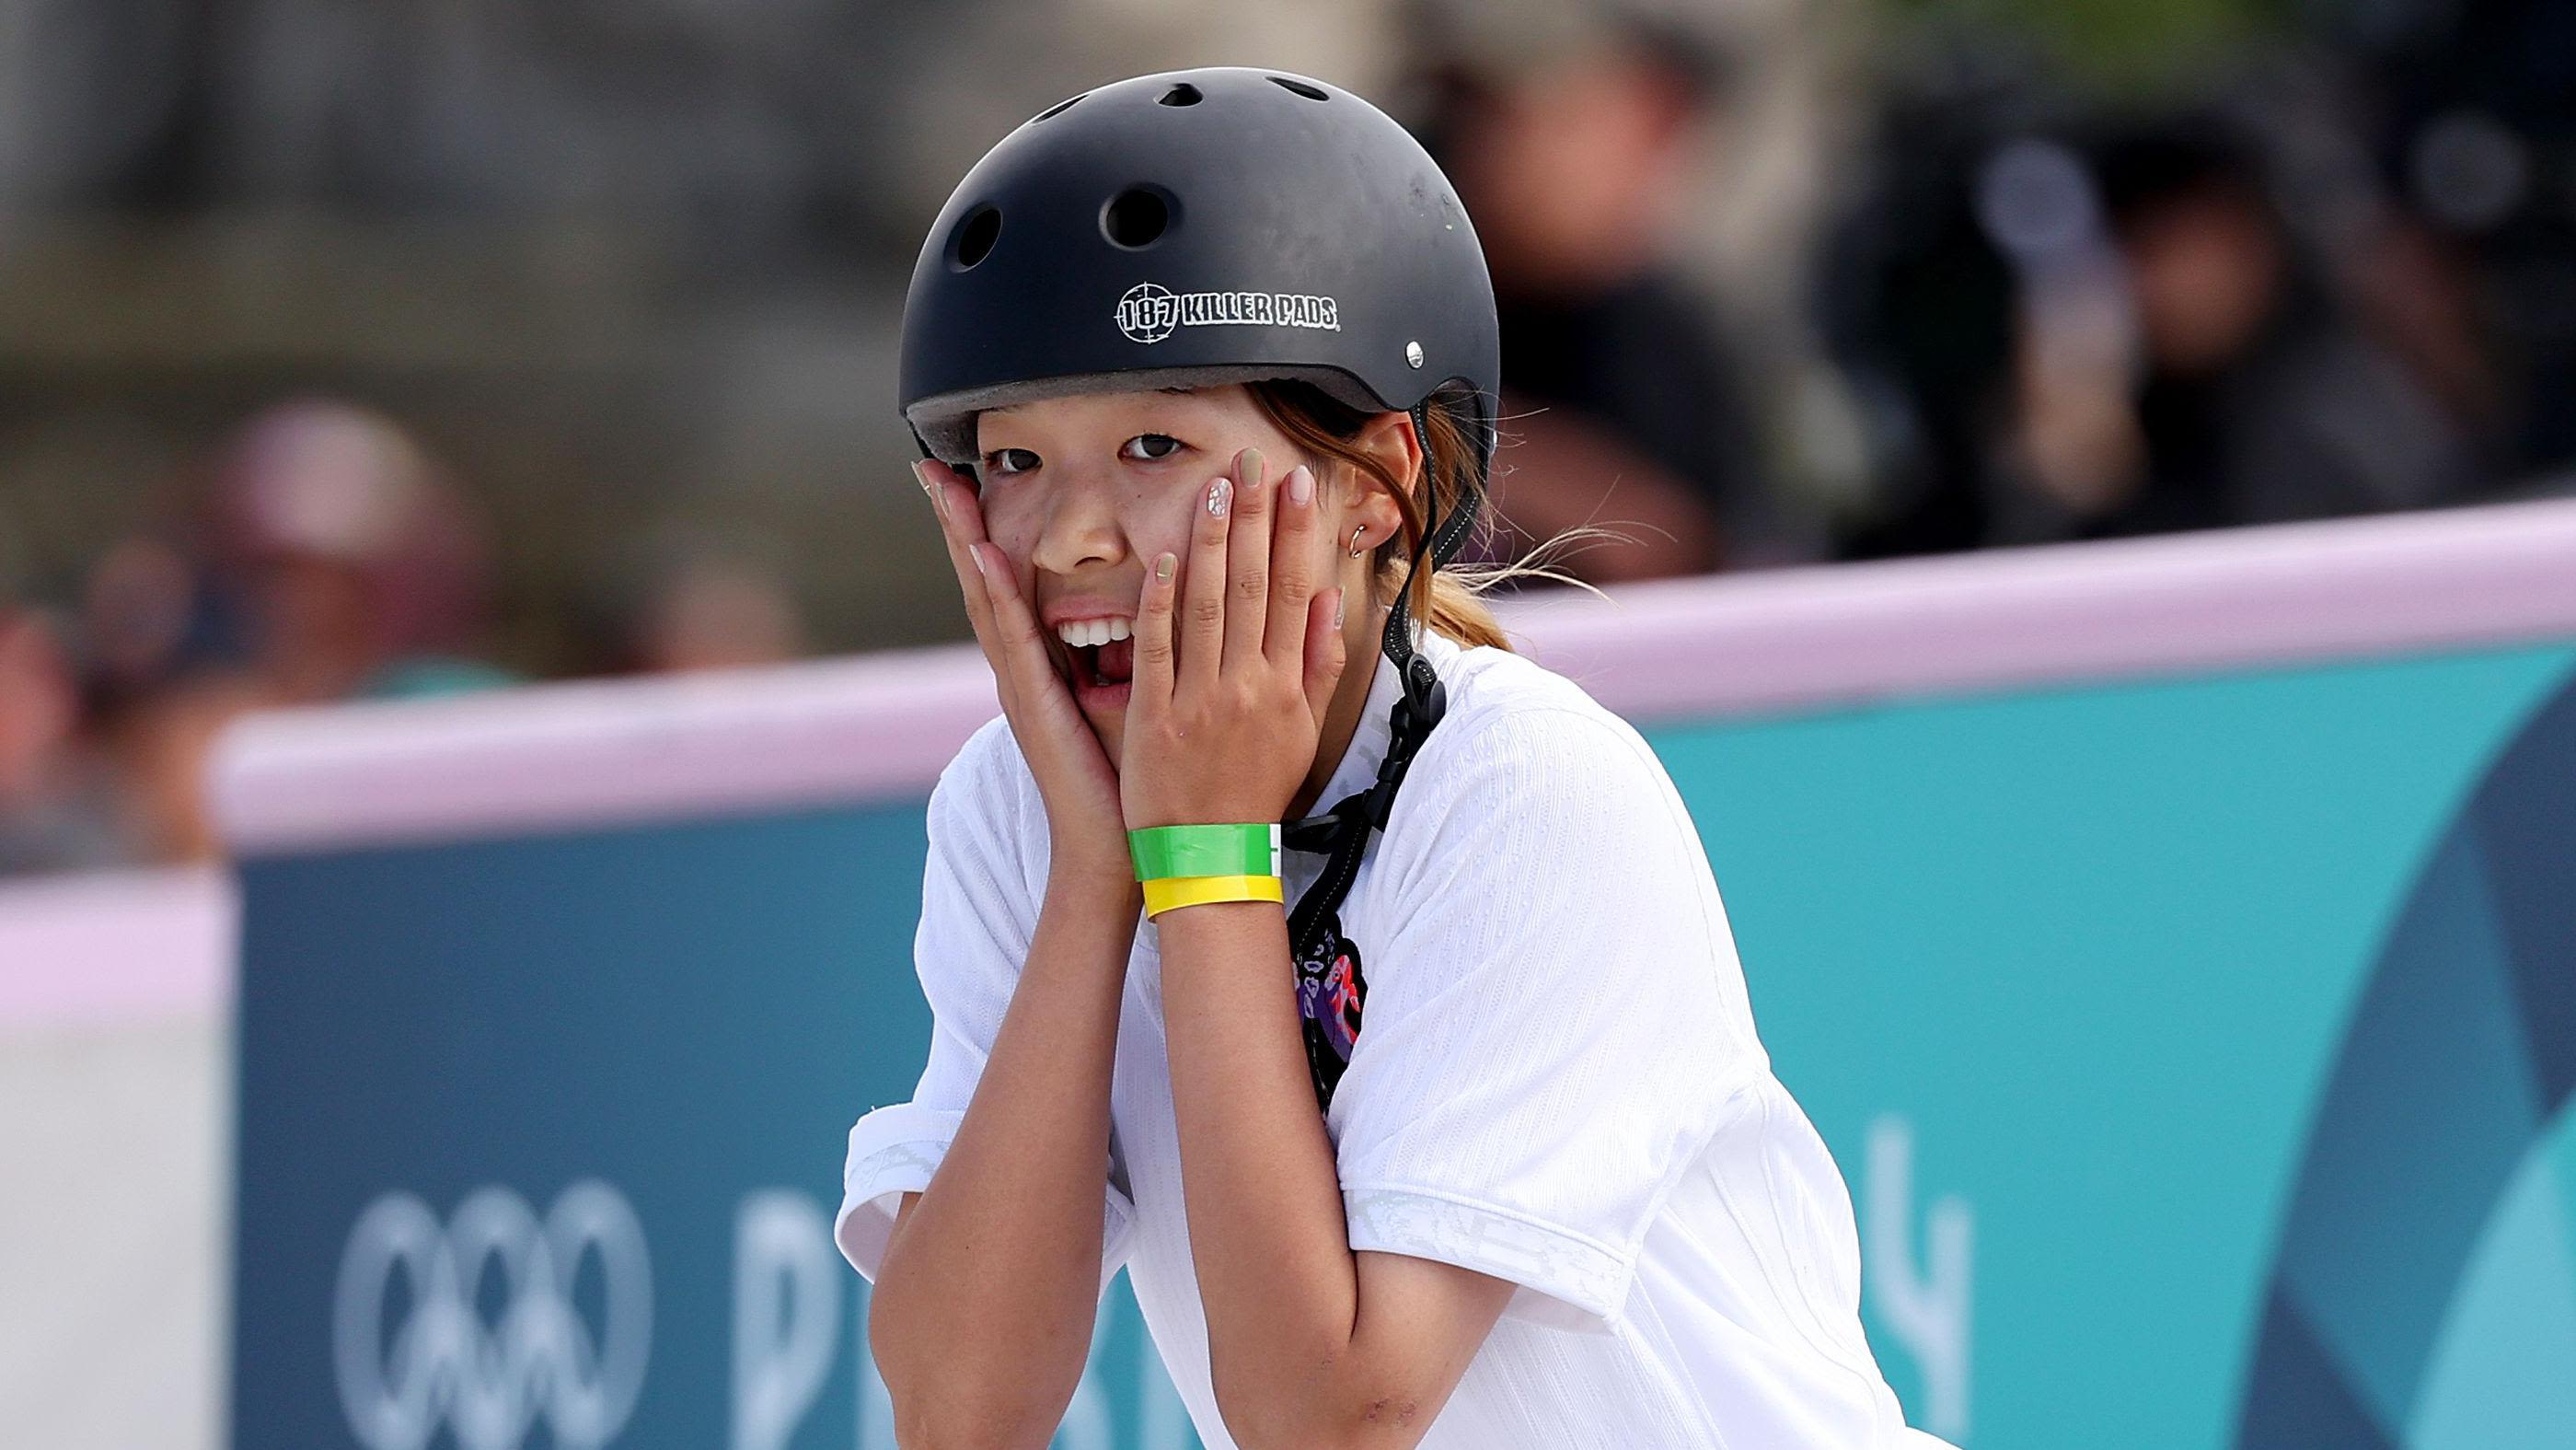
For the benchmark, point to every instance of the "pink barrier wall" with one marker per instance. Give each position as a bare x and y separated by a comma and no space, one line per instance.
1798,639
114,947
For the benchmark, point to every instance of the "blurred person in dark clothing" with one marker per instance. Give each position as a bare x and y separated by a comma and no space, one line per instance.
1568,133
2120,338
2476,107
146,618
1917,298
2258,401
57,810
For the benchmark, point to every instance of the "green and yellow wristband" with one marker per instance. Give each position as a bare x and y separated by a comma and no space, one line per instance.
1194,865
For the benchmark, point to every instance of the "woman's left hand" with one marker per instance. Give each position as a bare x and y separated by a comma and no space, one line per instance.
1223,720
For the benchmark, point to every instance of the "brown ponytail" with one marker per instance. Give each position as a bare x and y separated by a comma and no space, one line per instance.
1449,600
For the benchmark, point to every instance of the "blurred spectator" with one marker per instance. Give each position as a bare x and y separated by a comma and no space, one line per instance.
329,559
2476,126
162,746
680,604
144,620
1568,131
2258,401
57,809
713,616
1917,298
2128,338
357,568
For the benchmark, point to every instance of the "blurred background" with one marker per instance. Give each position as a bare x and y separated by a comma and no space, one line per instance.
352,348
364,350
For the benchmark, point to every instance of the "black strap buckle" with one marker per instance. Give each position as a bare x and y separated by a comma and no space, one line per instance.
1317,835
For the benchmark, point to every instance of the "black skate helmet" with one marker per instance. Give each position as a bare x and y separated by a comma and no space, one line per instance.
1194,228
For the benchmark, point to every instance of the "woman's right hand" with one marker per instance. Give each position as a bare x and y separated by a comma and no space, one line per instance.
1088,832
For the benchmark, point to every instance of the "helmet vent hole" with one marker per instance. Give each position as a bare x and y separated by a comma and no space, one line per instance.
975,237
1180,95
1058,109
1312,93
1137,217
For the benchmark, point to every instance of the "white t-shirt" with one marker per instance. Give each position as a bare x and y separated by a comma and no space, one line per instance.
1556,1082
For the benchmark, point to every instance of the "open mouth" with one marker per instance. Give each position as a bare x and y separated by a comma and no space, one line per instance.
1106,663
1101,667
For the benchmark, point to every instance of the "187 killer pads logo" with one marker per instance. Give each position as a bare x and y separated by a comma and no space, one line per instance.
1149,312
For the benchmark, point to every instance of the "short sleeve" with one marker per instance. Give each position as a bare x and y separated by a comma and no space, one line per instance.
1554,1026
978,915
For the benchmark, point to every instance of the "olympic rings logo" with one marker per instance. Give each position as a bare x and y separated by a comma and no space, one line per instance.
488,1382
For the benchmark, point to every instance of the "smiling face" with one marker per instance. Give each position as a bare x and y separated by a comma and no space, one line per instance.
1084,493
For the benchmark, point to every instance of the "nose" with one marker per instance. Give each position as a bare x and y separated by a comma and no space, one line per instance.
1082,528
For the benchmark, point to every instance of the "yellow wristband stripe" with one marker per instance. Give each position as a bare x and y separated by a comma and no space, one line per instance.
1177,891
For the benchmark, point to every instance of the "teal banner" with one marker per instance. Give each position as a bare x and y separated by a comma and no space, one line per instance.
2202,1010
2198,1052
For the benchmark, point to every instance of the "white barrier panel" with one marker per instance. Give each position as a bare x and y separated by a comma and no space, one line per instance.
114,1098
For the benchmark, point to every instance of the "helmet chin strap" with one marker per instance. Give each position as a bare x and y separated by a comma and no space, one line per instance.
1342,833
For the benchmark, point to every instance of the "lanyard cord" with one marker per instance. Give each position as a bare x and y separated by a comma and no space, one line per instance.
1342,833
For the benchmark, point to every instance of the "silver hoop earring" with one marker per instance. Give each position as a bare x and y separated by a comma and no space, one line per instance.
1355,540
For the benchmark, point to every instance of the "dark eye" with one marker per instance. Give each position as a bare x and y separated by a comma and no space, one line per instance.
1003,462
1148,447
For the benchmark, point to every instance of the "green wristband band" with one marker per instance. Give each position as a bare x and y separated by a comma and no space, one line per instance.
1162,852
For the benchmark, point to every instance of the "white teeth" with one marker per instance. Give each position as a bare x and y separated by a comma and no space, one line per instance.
1081,633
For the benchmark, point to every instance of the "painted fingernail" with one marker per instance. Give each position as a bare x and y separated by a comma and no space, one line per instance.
1220,493
1163,569
981,567
1249,465
1301,486
1338,596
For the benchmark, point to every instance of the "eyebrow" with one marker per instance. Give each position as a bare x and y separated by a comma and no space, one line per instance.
1177,392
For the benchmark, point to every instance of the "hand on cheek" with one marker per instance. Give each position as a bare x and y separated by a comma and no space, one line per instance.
1238,649
1074,774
